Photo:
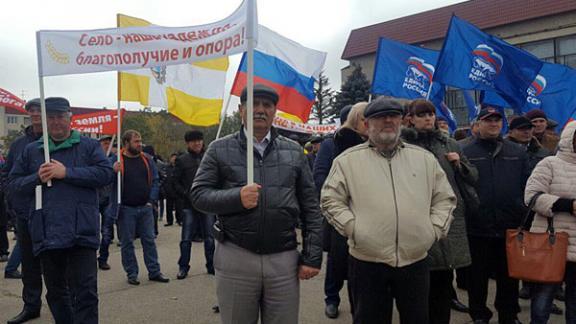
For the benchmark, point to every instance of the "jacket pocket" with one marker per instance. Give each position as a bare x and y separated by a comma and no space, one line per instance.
87,220
36,226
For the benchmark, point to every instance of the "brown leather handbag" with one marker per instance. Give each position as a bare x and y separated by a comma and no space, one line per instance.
536,257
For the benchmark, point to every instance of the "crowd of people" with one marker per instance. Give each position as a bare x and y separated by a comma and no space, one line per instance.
398,203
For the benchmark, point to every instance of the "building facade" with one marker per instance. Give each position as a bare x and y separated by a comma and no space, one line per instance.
546,29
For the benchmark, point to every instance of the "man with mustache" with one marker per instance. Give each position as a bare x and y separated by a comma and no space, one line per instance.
392,201
257,263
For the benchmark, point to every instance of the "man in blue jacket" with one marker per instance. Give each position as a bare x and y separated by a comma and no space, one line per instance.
64,220
17,207
140,191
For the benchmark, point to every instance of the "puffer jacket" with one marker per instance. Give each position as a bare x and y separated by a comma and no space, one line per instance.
502,173
555,176
452,252
287,193
391,208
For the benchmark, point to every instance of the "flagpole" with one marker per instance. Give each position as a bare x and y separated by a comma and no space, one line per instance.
250,93
369,98
429,90
223,117
118,130
111,144
42,110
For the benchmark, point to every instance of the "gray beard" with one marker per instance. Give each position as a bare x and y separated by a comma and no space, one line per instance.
383,139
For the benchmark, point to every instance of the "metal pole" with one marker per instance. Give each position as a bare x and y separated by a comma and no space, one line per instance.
42,105
429,90
250,96
223,117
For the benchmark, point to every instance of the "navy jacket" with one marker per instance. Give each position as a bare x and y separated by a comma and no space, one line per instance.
17,205
323,163
503,170
69,215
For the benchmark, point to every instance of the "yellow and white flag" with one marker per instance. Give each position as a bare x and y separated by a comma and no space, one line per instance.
192,92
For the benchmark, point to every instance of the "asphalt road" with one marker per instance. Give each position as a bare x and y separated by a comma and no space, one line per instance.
189,300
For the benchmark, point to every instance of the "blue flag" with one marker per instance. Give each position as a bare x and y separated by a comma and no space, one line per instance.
405,71
472,59
553,91
473,109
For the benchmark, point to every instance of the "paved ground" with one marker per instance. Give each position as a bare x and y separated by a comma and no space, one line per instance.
182,301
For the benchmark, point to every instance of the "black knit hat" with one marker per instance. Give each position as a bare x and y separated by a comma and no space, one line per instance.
193,135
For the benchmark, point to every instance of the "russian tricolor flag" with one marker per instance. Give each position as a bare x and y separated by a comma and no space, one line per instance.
286,66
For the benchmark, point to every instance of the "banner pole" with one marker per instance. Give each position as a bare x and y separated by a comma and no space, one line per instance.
223,117
118,151
429,90
250,95
111,144
369,98
42,109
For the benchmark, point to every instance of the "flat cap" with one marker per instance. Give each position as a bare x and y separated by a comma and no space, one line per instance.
32,103
260,91
520,122
57,105
383,106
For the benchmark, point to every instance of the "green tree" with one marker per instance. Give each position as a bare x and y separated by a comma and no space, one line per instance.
355,89
324,99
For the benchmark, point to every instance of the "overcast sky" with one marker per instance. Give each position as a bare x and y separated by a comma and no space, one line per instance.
320,24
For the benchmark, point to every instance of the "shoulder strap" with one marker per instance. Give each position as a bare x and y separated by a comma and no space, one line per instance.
530,213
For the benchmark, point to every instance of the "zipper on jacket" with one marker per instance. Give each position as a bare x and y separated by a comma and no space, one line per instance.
395,208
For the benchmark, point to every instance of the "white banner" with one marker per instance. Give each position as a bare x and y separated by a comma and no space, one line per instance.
117,49
290,125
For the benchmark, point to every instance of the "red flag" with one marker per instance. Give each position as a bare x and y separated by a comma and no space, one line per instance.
7,99
102,122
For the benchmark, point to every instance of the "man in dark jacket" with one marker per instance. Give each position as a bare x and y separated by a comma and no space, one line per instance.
503,170
140,188
169,191
64,220
17,208
521,131
105,194
256,260
184,172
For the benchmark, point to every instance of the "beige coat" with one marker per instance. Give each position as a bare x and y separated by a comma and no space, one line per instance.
391,210
556,177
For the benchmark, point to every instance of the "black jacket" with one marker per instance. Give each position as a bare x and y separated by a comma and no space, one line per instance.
287,193
536,152
17,205
502,173
184,172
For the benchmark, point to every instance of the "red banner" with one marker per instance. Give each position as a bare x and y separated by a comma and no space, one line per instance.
103,122
8,99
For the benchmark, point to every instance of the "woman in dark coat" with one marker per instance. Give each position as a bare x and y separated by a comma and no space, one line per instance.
451,253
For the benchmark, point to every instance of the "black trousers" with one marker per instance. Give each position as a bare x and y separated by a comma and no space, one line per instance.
440,296
336,269
376,285
489,255
70,276
31,269
4,243
170,208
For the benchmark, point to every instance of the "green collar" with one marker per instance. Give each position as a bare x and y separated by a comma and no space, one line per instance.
74,138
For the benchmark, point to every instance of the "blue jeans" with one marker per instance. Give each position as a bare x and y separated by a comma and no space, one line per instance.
132,220
191,221
14,260
543,296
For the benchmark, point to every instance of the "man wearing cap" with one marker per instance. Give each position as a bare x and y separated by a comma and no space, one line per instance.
192,220
392,201
521,131
540,121
315,141
64,220
257,263
17,208
502,173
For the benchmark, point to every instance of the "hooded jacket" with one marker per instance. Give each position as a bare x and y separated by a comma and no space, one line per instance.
391,209
555,176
